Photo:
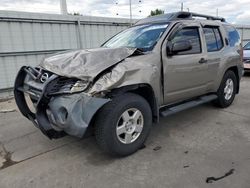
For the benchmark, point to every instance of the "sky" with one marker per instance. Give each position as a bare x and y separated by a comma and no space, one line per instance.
235,11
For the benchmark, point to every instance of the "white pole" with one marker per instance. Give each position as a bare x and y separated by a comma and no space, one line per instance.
130,7
63,5
182,6
217,12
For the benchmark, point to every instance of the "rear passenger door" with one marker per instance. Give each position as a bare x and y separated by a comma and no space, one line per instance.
213,49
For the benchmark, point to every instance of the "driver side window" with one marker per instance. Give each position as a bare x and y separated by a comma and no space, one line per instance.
188,34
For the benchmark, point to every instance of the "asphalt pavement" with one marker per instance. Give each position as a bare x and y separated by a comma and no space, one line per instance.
197,148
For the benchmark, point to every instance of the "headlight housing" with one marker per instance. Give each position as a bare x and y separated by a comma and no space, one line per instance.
68,86
79,86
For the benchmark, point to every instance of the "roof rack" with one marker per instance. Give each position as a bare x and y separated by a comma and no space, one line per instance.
178,16
204,16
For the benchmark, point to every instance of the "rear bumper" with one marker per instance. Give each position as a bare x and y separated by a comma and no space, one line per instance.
59,115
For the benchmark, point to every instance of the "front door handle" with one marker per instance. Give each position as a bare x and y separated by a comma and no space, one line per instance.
202,60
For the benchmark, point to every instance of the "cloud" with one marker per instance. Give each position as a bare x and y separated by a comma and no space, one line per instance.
243,18
236,11
46,6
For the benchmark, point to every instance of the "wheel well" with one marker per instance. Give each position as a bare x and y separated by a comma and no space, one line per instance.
145,91
236,72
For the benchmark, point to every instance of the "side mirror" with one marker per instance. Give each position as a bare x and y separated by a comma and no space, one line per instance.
180,46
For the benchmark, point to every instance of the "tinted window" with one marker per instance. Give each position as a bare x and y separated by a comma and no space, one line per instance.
213,39
247,46
218,38
191,35
233,36
210,39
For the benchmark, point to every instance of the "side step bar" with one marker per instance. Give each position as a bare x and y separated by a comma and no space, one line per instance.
186,105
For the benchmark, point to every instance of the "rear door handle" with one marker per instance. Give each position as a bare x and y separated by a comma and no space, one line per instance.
202,60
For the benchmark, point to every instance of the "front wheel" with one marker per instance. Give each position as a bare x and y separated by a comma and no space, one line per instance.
123,124
226,92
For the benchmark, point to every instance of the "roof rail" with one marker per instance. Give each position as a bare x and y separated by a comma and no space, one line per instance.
177,16
207,17
190,15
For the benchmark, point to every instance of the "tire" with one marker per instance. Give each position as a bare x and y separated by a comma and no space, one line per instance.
113,131
224,98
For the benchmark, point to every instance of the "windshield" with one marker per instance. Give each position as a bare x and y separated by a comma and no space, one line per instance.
247,46
143,37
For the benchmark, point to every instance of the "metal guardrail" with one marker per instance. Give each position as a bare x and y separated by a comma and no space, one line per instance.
35,20
41,52
246,39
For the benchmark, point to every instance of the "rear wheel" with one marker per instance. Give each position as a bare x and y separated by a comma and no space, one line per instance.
123,124
227,90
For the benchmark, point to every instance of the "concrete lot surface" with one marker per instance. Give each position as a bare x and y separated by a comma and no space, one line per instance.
181,152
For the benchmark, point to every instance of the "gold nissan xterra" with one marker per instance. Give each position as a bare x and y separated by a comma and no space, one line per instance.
161,65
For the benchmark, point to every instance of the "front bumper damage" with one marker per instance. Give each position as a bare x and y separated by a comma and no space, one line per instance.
56,115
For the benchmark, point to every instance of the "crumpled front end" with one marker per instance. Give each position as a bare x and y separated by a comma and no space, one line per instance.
60,109
68,89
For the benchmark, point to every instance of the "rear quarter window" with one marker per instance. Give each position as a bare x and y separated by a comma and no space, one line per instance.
213,38
233,36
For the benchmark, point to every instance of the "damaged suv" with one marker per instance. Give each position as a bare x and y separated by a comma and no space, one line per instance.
159,66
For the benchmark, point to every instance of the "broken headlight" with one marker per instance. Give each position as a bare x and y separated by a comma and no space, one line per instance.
68,86
79,86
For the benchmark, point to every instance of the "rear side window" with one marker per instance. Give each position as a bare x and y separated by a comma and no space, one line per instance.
233,36
190,34
213,38
218,38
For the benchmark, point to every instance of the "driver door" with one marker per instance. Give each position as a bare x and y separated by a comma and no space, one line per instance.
186,72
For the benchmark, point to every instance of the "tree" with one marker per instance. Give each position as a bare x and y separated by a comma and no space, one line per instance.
156,12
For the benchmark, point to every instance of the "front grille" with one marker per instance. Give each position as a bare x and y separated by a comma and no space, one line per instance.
34,82
37,79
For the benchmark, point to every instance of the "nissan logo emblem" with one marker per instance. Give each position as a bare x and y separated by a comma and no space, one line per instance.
44,77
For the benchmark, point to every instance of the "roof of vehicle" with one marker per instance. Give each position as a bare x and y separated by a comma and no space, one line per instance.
178,16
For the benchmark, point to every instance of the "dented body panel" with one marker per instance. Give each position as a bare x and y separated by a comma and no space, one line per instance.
73,113
143,69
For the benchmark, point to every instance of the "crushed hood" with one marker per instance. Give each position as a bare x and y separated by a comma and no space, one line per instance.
85,64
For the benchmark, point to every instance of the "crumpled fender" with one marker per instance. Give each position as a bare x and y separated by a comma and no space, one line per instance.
73,113
143,69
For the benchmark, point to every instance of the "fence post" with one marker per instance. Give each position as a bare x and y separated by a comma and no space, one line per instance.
79,36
